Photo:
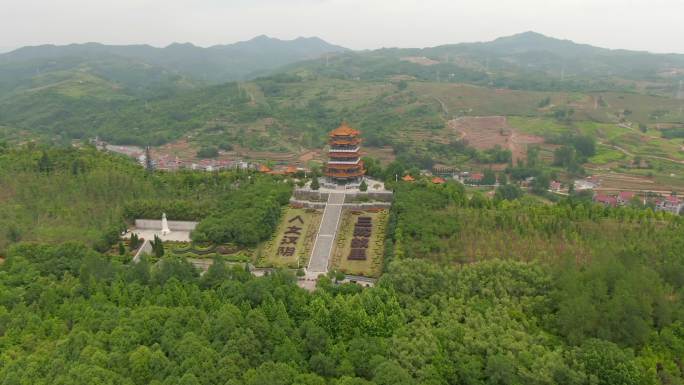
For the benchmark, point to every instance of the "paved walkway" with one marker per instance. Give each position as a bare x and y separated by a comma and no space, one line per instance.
325,239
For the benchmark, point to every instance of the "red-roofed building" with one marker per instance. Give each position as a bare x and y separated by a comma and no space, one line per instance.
438,180
264,168
555,185
475,177
624,197
407,178
671,204
606,200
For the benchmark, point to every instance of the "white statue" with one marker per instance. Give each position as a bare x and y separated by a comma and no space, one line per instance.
165,225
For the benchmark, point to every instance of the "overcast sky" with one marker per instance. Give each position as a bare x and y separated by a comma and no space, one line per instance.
653,25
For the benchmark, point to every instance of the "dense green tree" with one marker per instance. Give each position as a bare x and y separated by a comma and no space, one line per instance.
508,192
315,185
489,177
207,152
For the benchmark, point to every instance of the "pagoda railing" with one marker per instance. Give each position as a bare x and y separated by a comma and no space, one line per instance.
345,175
337,149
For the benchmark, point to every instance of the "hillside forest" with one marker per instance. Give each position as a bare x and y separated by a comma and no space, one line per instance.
475,290
496,281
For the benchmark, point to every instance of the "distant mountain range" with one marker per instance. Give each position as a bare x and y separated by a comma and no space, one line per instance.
142,94
214,64
527,60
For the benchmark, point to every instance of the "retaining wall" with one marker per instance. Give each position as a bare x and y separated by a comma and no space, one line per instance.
155,224
384,196
310,195
349,197
352,206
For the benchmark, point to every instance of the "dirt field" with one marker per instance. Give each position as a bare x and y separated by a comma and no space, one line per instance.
611,182
420,60
384,154
484,132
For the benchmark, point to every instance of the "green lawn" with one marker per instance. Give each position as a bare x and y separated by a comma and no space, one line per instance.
537,126
605,154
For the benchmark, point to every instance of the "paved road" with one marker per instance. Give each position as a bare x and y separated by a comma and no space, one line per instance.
325,239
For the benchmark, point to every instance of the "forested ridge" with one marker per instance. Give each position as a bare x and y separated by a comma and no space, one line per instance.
55,194
475,290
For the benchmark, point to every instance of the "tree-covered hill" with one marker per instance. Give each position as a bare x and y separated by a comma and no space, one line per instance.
526,61
54,195
216,64
475,290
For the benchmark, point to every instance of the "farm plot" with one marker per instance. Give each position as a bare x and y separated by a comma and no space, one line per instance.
484,132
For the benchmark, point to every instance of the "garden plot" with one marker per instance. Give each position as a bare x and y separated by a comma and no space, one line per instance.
360,241
291,245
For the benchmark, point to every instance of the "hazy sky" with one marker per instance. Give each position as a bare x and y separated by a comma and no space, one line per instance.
654,25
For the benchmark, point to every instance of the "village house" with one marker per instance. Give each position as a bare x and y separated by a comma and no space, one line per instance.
606,200
671,204
588,183
474,178
624,197
280,170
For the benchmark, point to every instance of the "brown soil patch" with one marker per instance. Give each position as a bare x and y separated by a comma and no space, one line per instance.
420,60
180,148
383,154
307,156
187,152
623,182
484,132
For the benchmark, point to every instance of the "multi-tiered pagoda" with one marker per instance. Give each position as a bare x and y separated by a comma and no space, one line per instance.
344,161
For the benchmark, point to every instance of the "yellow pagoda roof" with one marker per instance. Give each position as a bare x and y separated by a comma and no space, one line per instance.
344,130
